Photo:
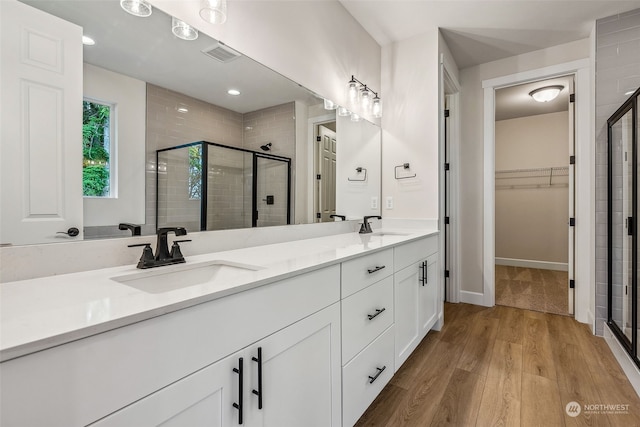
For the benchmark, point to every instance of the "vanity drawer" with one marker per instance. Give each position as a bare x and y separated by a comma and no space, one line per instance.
362,379
363,271
407,254
361,320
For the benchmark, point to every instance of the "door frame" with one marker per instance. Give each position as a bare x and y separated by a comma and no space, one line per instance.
312,124
584,178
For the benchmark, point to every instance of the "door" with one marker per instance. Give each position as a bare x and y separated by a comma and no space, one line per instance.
204,398
447,202
271,191
325,174
572,228
41,136
295,374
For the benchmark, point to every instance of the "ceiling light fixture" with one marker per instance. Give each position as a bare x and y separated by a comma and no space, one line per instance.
214,11
369,100
234,92
136,7
546,94
88,41
182,30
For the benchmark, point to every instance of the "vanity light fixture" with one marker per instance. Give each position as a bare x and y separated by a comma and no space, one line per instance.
88,41
234,92
368,98
355,117
352,90
182,30
213,11
343,112
329,104
376,107
136,7
183,110
546,94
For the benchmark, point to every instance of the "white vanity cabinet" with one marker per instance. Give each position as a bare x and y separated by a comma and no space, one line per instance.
291,378
415,295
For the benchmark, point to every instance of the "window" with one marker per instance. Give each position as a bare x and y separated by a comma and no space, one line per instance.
97,175
195,172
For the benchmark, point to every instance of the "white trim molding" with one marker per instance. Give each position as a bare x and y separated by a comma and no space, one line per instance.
475,298
584,192
531,263
630,369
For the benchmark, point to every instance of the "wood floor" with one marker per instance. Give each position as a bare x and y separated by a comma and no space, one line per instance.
505,366
532,289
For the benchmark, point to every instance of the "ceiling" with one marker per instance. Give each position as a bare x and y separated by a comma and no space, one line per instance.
480,31
513,102
145,48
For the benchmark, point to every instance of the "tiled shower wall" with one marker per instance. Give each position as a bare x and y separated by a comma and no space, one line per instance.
617,72
167,127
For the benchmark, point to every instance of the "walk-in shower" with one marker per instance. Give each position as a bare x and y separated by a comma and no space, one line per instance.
208,186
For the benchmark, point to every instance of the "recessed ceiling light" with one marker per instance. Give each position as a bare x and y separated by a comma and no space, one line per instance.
88,41
546,94
234,92
183,110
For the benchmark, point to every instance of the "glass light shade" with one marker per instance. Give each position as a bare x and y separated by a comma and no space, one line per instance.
365,99
355,117
546,94
182,30
330,105
136,7
376,107
352,91
343,112
214,11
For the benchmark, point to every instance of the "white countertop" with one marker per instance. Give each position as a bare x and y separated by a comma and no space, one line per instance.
41,313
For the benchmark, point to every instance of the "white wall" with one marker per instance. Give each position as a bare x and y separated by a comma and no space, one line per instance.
315,43
531,222
358,146
410,76
471,146
129,96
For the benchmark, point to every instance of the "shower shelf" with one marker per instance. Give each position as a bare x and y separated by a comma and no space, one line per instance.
533,178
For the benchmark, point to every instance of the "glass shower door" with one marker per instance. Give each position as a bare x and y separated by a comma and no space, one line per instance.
271,191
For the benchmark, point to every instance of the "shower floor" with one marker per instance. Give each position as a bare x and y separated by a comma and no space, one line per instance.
532,289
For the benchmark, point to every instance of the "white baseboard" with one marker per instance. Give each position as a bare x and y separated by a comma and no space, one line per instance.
475,298
591,322
528,263
630,369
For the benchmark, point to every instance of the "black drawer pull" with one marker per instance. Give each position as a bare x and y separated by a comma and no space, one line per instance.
375,377
378,311
259,391
377,268
238,406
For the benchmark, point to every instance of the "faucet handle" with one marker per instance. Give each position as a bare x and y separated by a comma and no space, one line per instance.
176,253
147,259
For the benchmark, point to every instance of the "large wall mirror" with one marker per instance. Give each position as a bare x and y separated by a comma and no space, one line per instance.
177,132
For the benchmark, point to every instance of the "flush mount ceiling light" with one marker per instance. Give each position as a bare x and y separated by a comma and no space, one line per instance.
88,41
182,30
546,94
136,7
214,11
234,92
368,99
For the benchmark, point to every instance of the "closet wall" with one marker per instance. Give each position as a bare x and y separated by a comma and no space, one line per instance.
532,208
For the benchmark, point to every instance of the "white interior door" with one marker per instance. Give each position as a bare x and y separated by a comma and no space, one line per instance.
571,259
41,138
326,171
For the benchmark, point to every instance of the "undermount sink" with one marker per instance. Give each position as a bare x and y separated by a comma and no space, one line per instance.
165,279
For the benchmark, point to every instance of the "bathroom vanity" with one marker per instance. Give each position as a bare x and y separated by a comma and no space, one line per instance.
306,332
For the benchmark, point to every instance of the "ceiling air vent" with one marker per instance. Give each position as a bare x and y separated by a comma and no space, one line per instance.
221,53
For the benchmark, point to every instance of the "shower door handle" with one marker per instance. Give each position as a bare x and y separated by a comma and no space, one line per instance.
630,226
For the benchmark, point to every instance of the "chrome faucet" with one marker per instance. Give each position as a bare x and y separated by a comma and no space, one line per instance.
163,255
366,227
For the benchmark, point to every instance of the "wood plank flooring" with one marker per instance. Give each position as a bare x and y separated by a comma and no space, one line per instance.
505,366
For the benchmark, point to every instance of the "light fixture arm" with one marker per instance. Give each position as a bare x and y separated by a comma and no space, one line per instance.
365,87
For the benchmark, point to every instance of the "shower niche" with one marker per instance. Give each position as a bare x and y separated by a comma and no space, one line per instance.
623,233
208,186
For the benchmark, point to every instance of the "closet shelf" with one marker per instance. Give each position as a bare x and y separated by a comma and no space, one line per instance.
533,178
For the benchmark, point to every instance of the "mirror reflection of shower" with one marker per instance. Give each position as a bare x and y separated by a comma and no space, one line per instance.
266,147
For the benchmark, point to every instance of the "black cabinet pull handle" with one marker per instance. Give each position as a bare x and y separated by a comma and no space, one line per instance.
425,274
377,268
375,377
378,311
259,391
238,406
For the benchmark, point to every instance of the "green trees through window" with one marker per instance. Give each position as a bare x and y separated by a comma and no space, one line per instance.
96,120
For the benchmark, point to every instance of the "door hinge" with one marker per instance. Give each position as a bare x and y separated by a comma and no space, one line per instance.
572,222
572,283
446,274
318,176
318,139
572,160
318,215
572,97
446,220
446,113
446,166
